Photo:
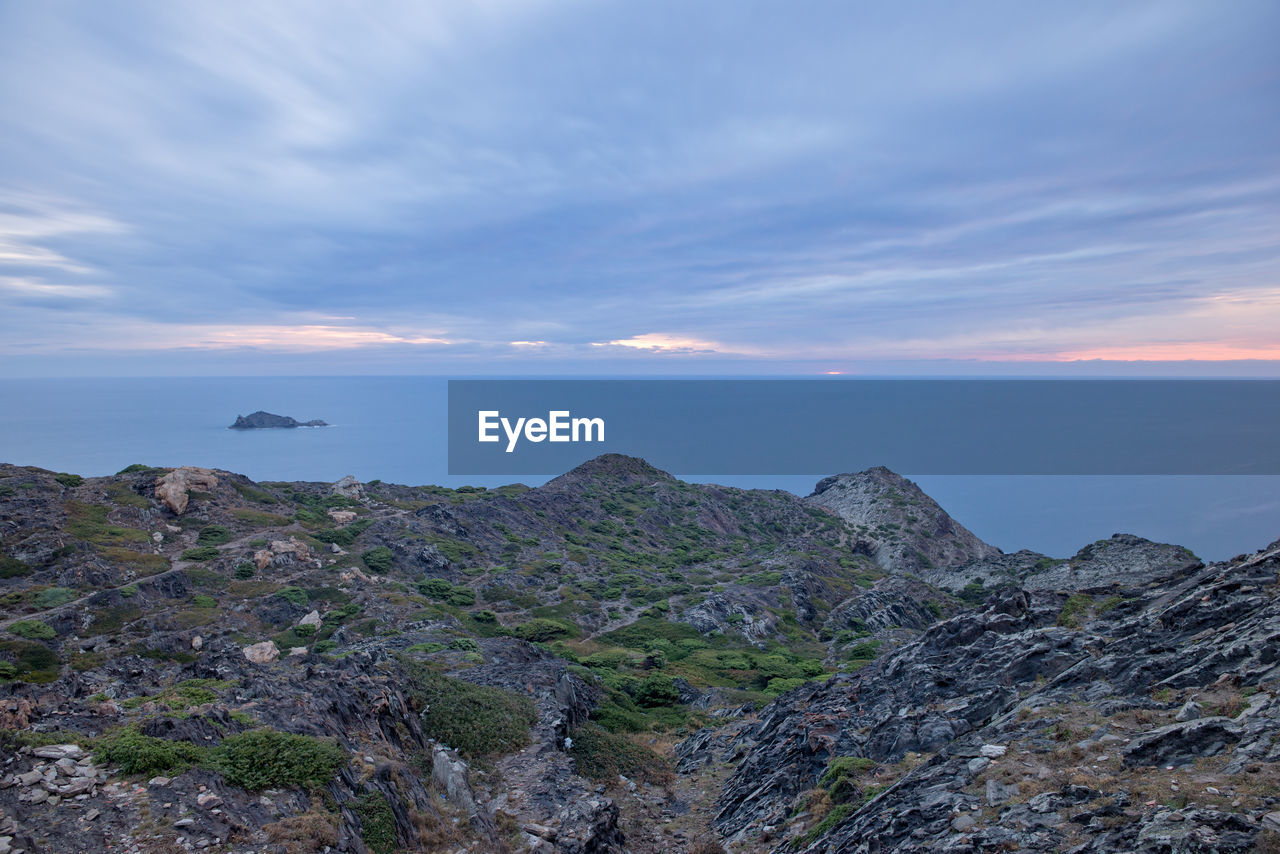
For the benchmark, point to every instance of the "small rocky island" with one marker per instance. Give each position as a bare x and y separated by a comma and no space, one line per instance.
263,420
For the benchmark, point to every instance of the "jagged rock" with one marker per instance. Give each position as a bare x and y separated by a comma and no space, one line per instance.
311,619
718,613
1182,743
903,529
348,487
173,489
262,653
450,774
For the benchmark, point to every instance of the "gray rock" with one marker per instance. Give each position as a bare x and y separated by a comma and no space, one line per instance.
924,536
1182,743
1190,711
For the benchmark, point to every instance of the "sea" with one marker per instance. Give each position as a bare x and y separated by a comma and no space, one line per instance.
394,429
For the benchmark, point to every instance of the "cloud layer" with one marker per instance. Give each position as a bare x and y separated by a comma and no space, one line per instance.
531,186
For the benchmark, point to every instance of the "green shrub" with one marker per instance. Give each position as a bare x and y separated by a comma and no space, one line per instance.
973,593
305,630
778,685
1073,610
129,591
294,595
476,719
13,568
866,649
541,630
213,535
203,600
343,536
33,630
8,670
379,559
325,645
69,479
245,570
602,755
139,468
434,588
657,690
464,644
461,597
201,553
270,759
377,822
338,615
135,753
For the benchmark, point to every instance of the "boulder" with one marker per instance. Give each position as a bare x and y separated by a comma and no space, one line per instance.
262,653
173,488
342,517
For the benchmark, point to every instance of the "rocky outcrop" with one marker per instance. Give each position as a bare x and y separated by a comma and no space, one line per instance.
348,487
265,420
173,488
1006,679
903,529
1123,564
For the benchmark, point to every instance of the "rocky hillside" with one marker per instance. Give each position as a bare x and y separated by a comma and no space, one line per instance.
614,661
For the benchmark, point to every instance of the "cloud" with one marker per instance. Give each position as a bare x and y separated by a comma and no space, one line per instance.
661,342
539,180
30,288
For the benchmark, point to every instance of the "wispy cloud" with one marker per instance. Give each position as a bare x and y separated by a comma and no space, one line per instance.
547,183
662,342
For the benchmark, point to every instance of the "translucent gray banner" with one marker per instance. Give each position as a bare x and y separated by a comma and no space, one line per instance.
917,426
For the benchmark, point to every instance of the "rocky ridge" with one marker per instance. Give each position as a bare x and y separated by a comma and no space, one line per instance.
614,661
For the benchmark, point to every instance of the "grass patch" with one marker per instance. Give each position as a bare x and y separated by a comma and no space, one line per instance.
252,493
52,597
33,630
88,522
259,518
143,562
108,621
119,493
201,553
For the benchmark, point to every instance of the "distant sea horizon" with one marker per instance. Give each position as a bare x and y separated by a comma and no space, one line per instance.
393,428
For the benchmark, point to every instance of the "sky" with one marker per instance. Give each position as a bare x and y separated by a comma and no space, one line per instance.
661,187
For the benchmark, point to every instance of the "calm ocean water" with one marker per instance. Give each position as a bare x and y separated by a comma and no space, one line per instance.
393,428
